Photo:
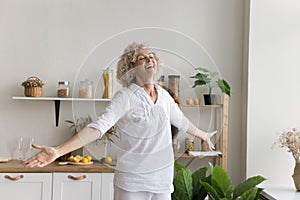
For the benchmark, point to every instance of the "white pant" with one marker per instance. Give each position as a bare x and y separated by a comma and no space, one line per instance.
120,194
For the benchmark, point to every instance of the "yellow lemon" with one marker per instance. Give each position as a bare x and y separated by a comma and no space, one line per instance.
89,158
108,159
78,156
84,160
71,159
76,159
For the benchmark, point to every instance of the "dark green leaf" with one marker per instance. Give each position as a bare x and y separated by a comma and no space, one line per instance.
259,190
198,189
249,195
211,191
183,188
221,181
224,86
247,185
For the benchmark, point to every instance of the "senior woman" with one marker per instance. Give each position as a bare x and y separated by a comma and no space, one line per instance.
143,113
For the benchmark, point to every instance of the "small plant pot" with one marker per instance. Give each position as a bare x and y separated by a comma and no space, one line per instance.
209,99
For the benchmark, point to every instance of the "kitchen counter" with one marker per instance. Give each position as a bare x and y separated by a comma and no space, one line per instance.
16,166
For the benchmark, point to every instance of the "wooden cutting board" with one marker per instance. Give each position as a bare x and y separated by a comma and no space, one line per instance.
75,163
5,159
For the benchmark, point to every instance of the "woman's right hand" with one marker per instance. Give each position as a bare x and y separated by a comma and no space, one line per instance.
46,156
211,146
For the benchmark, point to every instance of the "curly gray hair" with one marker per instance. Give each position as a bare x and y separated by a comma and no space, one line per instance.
126,63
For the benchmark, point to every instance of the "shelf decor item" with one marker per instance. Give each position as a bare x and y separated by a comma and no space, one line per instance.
290,139
210,80
33,87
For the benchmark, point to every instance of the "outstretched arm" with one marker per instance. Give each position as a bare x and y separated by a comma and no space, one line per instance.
49,154
205,136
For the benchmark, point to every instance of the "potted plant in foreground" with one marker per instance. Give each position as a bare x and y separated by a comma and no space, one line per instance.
217,185
210,80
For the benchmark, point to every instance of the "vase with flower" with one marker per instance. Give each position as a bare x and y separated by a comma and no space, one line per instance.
290,139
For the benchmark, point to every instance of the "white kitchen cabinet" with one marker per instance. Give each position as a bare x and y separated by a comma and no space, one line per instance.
26,186
82,186
107,186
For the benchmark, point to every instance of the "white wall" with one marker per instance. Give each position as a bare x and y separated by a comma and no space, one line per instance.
273,86
72,39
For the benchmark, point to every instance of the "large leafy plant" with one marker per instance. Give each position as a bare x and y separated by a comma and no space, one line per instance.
187,185
209,79
196,186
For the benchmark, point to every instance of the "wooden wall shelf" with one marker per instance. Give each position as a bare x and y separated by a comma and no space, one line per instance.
57,101
221,111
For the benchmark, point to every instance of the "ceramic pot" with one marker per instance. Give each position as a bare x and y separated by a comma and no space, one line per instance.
296,176
209,99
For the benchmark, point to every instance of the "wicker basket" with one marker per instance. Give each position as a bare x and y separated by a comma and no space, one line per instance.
35,90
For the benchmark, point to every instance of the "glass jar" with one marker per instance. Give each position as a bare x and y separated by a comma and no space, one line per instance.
189,145
174,83
63,89
161,81
86,89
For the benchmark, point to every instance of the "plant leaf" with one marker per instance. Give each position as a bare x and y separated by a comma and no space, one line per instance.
221,181
202,77
178,166
247,185
249,195
213,74
224,86
183,188
259,190
202,69
198,83
211,191
198,189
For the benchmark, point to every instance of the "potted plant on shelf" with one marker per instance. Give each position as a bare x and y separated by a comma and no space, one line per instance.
33,87
210,80
97,148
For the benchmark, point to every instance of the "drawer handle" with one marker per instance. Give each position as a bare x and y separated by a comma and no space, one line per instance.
14,178
78,178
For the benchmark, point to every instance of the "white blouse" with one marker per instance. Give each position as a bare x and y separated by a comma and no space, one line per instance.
145,156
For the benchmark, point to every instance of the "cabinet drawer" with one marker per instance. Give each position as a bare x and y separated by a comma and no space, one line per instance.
26,186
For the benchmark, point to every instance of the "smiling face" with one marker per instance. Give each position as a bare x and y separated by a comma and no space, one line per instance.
145,67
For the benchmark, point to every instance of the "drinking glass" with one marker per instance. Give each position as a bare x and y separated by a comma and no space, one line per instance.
29,151
19,149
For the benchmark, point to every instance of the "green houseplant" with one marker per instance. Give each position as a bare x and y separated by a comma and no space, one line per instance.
187,185
205,77
217,185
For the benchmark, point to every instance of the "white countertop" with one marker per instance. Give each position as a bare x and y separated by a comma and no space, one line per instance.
281,192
